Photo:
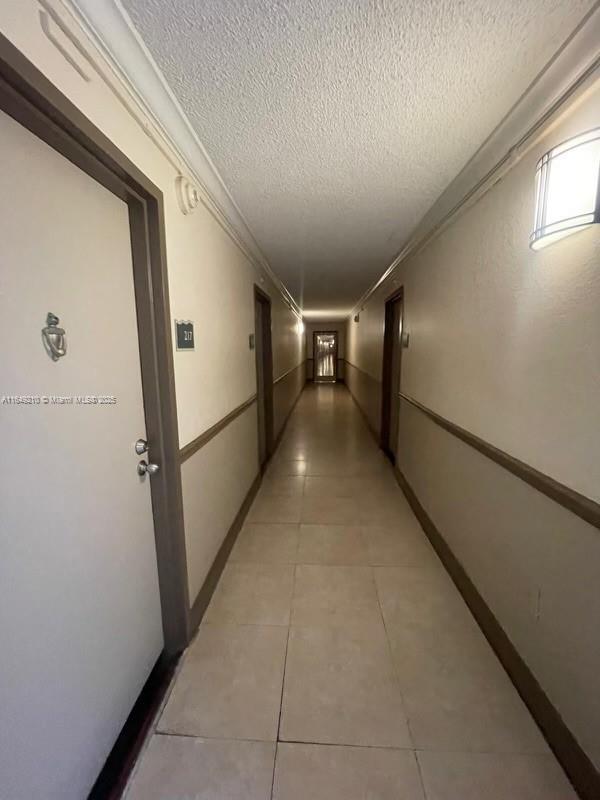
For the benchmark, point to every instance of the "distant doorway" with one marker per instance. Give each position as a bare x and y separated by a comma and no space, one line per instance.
392,367
264,374
325,349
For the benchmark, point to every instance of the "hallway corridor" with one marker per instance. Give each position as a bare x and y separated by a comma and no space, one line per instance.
337,661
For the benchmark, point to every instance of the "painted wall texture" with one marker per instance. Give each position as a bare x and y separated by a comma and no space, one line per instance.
505,342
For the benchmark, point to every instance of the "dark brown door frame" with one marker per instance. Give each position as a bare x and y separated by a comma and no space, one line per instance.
335,355
31,99
266,349
386,384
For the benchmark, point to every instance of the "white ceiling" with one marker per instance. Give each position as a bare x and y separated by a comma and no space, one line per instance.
336,124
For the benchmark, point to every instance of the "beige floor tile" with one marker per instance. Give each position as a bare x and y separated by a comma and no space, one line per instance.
182,768
330,486
340,688
453,715
328,772
253,594
473,776
424,595
358,552
275,509
398,546
283,486
335,595
345,466
327,510
382,483
293,449
331,544
267,543
281,467
436,653
388,509
456,693
230,684
327,465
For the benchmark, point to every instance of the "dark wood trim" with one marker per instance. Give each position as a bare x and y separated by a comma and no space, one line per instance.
310,365
119,765
31,99
578,766
199,442
289,372
64,122
358,369
283,427
577,503
389,335
267,351
363,413
210,584
162,430
335,360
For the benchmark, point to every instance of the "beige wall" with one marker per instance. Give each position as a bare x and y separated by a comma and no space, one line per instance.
505,342
210,282
213,480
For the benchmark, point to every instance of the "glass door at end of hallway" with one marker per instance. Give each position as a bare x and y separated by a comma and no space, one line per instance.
325,357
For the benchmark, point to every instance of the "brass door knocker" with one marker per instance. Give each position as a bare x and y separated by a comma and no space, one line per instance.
54,338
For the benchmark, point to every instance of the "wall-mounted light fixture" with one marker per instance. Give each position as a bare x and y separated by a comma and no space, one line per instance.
567,189
300,327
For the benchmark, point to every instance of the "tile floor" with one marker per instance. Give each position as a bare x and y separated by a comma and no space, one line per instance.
337,661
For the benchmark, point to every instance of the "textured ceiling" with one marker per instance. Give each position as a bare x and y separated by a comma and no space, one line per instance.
336,124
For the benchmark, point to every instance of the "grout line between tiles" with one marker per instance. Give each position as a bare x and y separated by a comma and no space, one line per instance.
204,737
347,744
287,644
274,768
420,771
396,678
152,728
416,750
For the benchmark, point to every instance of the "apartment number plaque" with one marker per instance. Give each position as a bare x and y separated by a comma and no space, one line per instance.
184,334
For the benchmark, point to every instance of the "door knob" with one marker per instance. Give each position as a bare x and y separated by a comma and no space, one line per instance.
143,467
141,446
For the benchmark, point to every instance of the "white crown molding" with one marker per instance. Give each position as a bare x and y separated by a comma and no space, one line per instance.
109,27
572,70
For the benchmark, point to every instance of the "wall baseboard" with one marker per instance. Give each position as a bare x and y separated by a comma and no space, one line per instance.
210,584
575,762
372,431
279,436
208,587
112,780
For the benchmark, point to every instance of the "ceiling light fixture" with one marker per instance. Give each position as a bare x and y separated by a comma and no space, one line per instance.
567,189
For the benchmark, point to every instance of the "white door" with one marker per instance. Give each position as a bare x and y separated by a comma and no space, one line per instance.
80,616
